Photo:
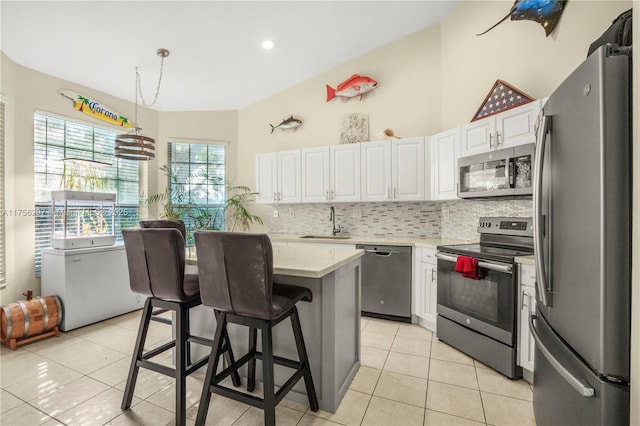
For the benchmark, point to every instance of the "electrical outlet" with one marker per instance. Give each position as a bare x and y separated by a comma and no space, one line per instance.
356,214
292,214
446,215
275,213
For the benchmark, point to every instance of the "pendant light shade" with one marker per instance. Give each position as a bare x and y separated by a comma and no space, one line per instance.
134,146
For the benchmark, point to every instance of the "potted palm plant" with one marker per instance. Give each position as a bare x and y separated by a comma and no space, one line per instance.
230,212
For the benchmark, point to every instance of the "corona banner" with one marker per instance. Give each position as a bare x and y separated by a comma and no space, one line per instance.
95,109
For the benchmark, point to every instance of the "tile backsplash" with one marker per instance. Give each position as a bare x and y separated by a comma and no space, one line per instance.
430,219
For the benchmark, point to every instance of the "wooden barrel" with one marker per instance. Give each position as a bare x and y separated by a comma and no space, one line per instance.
26,318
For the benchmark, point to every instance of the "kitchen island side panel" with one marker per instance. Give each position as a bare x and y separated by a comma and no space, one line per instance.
331,328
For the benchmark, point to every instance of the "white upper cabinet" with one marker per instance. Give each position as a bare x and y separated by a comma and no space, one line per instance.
445,148
315,175
407,169
506,129
393,170
478,136
345,172
517,126
376,170
331,173
266,177
278,177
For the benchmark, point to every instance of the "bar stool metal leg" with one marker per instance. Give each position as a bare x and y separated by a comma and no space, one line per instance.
251,372
182,321
267,374
218,341
304,360
139,348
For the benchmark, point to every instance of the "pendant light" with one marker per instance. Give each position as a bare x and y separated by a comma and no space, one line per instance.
133,145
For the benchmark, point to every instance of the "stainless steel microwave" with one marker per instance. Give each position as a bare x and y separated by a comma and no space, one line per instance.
497,173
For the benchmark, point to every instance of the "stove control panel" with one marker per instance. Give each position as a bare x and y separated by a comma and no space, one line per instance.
506,226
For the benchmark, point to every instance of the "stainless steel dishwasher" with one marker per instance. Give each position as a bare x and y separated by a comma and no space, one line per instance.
386,282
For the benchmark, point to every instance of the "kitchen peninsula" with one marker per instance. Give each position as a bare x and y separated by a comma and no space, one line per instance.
330,323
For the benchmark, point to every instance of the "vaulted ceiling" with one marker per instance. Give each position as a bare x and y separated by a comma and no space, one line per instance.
216,59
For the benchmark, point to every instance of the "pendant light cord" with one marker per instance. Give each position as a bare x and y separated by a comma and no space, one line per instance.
139,87
163,53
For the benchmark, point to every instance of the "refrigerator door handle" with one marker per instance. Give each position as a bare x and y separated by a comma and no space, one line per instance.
538,217
580,386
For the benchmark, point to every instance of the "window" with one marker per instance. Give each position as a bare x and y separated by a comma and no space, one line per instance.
197,185
56,139
3,260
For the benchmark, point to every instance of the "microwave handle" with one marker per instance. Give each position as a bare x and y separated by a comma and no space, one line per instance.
511,172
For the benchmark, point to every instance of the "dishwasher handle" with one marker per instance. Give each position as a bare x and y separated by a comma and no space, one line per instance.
382,253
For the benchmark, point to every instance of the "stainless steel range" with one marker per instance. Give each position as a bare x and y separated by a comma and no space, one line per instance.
477,312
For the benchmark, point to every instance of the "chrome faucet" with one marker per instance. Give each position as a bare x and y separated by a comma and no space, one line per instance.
332,218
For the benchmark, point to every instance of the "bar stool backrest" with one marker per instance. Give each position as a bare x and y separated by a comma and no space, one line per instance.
156,259
165,223
236,272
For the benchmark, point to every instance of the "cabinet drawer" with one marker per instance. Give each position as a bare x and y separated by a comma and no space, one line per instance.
428,256
527,275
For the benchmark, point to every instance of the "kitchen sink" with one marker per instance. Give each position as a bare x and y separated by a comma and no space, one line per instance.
327,237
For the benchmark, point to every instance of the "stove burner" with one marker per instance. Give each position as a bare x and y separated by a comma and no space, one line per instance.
501,239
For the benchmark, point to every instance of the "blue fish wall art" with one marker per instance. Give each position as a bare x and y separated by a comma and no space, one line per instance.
545,12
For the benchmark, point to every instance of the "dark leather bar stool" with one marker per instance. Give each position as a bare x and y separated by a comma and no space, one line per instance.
156,260
164,223
236,279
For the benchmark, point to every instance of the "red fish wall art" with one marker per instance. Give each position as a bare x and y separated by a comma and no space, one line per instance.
356,85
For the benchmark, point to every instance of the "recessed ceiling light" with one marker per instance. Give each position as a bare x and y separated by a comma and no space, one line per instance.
268,44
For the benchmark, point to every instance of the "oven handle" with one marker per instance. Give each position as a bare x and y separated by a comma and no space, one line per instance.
499,267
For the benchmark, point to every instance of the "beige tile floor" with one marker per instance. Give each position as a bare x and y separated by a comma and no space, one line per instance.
407,377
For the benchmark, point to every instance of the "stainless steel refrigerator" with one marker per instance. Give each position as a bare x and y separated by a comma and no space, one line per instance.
582,238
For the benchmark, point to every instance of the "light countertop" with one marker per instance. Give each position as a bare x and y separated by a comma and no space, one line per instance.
526,260
311,262
431,243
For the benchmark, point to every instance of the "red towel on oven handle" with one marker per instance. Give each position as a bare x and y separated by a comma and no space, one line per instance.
468,267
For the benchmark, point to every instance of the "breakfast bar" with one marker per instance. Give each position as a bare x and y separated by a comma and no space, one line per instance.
330,323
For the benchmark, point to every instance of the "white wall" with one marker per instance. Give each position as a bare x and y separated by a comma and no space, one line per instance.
25,91
406,100
430,81
195,127
515,51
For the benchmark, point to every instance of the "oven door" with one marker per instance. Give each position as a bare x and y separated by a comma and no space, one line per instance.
486,305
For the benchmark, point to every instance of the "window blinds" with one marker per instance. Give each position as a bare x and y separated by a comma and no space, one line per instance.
198,179
55,139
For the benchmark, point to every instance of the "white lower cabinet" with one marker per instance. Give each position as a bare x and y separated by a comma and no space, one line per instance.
526,305
425,289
